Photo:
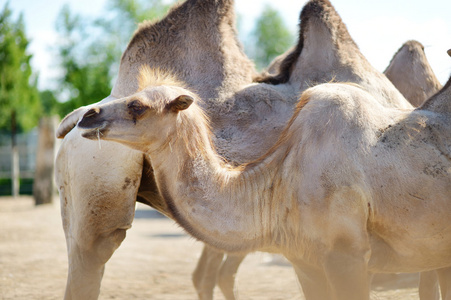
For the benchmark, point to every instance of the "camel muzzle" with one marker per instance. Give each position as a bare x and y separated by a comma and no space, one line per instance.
90,119
92,123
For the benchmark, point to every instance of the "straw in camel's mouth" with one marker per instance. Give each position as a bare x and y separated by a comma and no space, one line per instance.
93,133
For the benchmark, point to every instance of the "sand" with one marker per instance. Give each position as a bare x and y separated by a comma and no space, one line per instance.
155,261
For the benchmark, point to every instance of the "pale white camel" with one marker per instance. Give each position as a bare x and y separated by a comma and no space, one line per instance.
370,186
99,184
254,111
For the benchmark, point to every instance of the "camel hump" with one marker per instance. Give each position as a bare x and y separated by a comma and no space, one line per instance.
314,12
411,74
440,102
198,33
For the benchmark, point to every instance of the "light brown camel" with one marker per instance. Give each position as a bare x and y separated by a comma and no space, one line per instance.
370,186
251,112
410,72
410,63
98,208
416,84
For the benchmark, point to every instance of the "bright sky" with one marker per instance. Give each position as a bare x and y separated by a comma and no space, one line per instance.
378,27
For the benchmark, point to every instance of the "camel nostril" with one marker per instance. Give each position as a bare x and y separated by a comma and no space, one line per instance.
92,112
91,118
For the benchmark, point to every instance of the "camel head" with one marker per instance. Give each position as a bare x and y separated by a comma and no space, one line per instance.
144,121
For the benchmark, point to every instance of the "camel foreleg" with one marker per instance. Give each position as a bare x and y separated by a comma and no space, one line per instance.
206,272
227,273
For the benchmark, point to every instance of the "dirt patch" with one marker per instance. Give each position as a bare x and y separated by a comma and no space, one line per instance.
154,262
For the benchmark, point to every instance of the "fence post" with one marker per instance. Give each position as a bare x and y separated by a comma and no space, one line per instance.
15,171
15,167
43,186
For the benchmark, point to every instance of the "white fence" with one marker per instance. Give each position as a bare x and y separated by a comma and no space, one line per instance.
27,143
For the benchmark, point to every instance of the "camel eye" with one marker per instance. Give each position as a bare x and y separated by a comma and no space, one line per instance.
136,107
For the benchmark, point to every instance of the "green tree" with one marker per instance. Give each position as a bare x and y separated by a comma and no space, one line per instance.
272,37
90,50
85,68
19,99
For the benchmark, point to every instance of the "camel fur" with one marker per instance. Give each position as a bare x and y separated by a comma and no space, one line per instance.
241,112
99,183
370,185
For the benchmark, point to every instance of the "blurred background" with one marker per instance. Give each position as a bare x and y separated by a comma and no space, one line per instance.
56,56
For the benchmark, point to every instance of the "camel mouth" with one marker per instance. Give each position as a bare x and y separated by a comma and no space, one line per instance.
91,130
93,133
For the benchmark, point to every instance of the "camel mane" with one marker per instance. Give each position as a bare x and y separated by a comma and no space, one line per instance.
187,129
156,77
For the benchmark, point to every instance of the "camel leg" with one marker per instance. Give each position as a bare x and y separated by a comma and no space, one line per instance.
86,267
444,278
205,274
96,207
347,276
313,282
428,286
227,272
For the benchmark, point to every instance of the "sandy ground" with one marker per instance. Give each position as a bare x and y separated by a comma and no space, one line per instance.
154,262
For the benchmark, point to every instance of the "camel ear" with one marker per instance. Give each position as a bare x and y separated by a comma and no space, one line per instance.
180,103
449,52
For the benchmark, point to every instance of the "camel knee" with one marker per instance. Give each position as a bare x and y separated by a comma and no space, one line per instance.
105,245
87,264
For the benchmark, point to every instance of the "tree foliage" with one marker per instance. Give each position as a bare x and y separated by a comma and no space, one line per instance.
272,37
19,99
90,50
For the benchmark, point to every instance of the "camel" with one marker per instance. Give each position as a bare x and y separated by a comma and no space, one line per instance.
369,185
416,85
96,212
411,74
410,62
241,112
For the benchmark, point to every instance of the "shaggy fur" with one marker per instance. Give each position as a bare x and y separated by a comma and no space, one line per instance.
335,153
155,77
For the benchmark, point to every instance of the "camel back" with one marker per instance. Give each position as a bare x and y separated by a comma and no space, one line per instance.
440,102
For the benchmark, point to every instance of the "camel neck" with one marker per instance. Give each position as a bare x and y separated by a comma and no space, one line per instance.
225,207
